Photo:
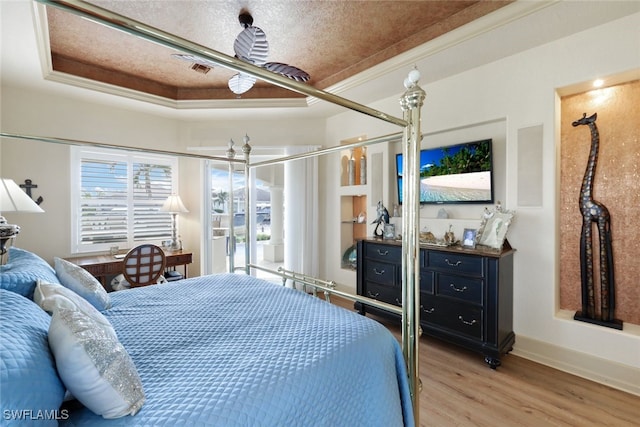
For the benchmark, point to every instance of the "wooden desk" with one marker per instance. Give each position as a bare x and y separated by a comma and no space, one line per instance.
101,266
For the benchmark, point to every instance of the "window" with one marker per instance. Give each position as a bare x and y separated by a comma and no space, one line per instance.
116,198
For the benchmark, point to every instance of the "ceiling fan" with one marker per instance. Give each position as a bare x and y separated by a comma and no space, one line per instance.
250,46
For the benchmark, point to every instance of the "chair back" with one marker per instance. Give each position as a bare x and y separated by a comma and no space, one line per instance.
143,265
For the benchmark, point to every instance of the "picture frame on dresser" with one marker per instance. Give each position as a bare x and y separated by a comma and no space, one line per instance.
389,232
494,226
469,238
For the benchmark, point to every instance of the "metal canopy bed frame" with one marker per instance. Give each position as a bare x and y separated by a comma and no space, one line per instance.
411,102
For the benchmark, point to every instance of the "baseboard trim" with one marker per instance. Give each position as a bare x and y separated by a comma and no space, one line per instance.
612,374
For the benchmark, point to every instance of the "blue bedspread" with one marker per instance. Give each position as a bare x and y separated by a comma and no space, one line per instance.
231,350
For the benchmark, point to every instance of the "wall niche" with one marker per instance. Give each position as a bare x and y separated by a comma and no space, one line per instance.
616,184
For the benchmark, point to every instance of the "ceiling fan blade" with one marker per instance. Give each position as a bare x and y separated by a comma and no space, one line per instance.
196,59
240,83
286,70
251,46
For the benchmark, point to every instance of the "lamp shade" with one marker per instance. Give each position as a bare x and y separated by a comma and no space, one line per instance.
13,199
173,204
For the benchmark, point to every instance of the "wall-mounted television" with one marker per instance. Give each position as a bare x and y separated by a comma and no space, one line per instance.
461,173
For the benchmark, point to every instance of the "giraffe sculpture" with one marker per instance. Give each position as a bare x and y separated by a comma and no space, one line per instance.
595,212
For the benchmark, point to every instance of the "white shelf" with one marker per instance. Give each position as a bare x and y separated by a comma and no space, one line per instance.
353,190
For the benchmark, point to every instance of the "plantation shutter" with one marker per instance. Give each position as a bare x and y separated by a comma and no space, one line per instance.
118,197
103,207
151,187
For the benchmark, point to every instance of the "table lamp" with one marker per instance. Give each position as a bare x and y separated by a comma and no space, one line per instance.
174,206
12,199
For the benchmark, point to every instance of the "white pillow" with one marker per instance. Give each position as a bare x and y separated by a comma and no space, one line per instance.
51,296
94,366
82,283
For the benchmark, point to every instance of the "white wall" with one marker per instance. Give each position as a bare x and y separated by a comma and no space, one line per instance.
521,89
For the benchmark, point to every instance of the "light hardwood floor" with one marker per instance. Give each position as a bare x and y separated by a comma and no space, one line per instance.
459,389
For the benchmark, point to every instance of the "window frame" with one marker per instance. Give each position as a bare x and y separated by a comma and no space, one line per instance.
80,153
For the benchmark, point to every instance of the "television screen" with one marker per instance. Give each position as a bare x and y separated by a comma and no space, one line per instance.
461,173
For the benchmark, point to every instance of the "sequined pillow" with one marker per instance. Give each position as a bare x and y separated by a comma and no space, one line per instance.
50,296
82,283
94,366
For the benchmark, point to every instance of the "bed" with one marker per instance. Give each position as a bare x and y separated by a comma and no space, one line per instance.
224,350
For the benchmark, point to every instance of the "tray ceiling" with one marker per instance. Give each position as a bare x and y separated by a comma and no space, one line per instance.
331,40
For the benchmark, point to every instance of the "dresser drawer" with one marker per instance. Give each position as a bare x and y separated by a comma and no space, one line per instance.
427,307
460,287
380,272
387,253
455,263
383,293
461,318
426,282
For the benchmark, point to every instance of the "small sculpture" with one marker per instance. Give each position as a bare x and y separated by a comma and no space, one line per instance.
381,219
443,214
449,237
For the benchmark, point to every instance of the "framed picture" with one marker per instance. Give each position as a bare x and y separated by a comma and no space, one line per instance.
494,226
389,231
469,238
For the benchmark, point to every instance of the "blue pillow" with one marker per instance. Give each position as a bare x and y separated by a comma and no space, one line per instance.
30,390
23,270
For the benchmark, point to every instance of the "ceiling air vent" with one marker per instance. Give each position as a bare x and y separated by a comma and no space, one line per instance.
200,68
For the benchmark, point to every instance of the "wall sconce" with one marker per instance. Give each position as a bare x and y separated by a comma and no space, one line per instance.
12,199
174,206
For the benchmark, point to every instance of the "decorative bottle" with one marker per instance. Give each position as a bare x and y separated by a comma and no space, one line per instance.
363,166
352,169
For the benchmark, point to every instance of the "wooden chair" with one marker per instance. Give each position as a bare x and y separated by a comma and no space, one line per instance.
144,265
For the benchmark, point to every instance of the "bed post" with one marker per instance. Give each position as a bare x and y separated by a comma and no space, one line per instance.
411,103
231,245
246,149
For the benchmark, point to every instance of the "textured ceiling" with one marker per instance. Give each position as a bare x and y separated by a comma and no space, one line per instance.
331,40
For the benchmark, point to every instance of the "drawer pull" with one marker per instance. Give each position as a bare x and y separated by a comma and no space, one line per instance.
383,253
452,264
374,296
473,322
378,272
427,310
462,289
398,302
